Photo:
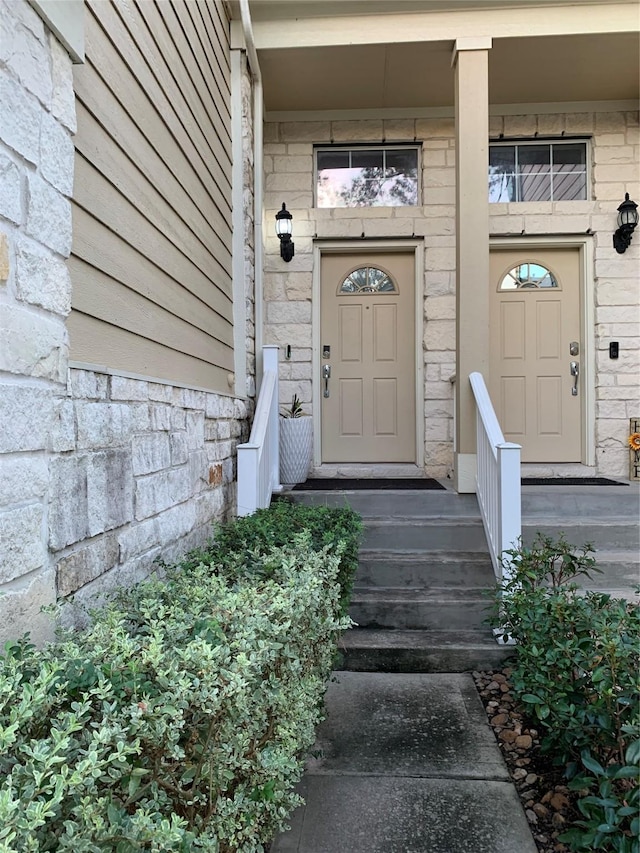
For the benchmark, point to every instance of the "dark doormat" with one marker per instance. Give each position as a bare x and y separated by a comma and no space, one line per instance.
570,481
332,484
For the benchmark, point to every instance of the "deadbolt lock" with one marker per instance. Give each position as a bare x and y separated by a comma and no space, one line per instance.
574,348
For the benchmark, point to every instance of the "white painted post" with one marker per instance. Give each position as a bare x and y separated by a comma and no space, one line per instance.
248,473
510,509
270,362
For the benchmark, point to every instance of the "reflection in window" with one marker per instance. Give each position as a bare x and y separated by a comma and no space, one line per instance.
368,280
528,276
537,172
367,177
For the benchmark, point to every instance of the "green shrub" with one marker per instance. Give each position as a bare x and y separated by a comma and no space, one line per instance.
577,669
178,721
240,545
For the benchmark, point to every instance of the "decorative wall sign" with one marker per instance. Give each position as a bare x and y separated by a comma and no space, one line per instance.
634,449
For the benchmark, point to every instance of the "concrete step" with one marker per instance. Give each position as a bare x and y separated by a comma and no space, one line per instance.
419,569
620,571
575,502
413,503
603,534
426,534
439,608
367,650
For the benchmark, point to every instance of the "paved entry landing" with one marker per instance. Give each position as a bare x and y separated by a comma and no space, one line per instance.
406,763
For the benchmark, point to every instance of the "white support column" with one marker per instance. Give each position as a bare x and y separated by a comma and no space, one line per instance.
471,62
270,362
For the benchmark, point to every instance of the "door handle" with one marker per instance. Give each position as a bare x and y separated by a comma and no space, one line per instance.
575,372
326,375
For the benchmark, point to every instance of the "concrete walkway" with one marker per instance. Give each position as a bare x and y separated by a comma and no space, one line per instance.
406,763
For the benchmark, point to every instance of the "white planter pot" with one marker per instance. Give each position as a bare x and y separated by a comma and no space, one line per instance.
296,449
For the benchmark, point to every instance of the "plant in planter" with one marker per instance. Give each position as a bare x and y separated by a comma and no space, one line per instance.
296,443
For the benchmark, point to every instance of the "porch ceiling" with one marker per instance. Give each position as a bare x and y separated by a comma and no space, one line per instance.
346,55
419,75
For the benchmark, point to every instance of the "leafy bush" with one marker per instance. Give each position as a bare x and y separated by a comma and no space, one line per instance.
241,544
179,720
577,669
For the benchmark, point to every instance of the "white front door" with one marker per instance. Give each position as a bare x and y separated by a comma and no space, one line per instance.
367,345
536,351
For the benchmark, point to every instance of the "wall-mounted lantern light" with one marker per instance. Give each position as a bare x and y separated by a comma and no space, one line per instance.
283,230
627,221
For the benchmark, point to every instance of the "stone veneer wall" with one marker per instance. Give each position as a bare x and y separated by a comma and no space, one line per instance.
99,474
615,152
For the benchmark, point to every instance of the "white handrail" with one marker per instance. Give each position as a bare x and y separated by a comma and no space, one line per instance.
498,480
259,458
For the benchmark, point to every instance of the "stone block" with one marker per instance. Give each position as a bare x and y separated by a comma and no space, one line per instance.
21,116
392,227
297,336
26,417
617,292
193,399
551,124
179,418
614,122
150,453
579,122
435,177
56,154
109,490
42,279
224,429
179,447
289,312
123,388
366,130
28,58
217,450
10,190
157,492
198,464
103,424
398,130
619,154
440,335
620,172
430,128
284,181
439,282
293,163
440,259
160,393
68,506
440,195
87,385
63,102
22,546
304,131
603,139
21,608
32,344
440,307
22,478
48,215
616,314
160,417
211,506
5,266
87,563
63,428
195,430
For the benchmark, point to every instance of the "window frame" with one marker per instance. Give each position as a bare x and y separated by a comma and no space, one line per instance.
369,146
519,142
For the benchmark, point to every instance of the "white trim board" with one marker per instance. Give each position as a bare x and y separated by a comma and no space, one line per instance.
540,108
321,247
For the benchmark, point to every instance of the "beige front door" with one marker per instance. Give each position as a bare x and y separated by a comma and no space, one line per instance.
536,351
367,344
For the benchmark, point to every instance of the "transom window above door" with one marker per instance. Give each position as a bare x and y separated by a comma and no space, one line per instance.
528,276
383,176
368,280
540,171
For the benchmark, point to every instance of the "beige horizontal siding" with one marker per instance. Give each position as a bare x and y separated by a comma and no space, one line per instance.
151,257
